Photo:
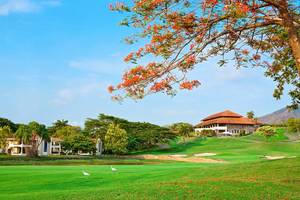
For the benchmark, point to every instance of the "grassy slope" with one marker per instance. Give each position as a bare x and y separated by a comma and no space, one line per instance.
246,176
242,149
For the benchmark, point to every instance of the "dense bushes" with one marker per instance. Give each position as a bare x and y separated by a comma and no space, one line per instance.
208,133
266,131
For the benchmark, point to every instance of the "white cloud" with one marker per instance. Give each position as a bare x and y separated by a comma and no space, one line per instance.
111,67
69,94
14,6
8,7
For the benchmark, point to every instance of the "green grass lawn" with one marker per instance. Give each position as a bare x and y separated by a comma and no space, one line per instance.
246,175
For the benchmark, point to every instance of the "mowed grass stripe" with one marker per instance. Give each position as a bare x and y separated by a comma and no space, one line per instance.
263,180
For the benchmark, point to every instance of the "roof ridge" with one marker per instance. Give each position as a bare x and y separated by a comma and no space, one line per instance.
226,113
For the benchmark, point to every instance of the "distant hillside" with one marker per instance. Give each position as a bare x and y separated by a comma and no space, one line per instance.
280,116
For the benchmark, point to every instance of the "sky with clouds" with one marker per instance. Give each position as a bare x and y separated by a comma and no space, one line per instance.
57,58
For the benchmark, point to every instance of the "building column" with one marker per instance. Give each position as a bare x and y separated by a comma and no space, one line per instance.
22,147
50,147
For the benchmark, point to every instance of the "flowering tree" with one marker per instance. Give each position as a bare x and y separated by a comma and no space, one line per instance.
183,33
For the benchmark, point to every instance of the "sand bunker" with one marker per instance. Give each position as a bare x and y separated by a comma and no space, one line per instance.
179,155
274,157
204,154
292,157
176,158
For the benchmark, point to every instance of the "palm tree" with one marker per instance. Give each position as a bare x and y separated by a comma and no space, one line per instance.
57,126
24,134
39,134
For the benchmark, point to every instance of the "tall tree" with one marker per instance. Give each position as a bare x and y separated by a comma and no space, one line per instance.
24,134
250,115
10,124
182,129
97,128
182,33
67,132
39,134
5,132
116,139
58,125
293,125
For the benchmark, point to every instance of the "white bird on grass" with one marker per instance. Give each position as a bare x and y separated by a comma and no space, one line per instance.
85,173
113,169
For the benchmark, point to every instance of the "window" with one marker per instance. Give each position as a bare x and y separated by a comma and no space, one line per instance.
45,146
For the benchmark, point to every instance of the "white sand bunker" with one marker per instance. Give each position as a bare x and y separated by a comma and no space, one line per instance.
292,157
204,154
179,155
274,157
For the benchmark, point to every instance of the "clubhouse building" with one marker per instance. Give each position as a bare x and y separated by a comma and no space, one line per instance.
228,123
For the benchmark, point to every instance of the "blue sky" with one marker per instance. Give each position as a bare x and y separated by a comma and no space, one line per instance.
57,58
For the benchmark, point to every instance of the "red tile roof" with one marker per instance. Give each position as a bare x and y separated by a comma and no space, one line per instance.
226,113
227,117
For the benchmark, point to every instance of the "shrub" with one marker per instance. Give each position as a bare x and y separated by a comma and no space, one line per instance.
242,133
266,131
194,134
208,133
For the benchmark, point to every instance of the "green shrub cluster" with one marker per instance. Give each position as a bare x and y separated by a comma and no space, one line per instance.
267,131
208,133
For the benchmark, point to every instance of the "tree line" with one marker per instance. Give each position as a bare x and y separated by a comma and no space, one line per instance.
115,135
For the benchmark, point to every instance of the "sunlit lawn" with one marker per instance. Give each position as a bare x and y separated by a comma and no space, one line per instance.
246,175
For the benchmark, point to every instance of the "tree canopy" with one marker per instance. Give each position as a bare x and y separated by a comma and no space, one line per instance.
250,115
141,135
293,125
5,132
116,140
182,129
58,124
10,124
24,133
179,34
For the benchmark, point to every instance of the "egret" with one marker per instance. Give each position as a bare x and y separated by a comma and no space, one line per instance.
85,173
113,169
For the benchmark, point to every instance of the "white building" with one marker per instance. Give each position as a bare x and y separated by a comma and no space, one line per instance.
227,123
45,148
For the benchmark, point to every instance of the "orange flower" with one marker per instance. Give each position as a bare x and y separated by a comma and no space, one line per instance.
110,89
189,85
256,57
128,57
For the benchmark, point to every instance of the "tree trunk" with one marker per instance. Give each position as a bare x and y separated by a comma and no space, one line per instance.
294,38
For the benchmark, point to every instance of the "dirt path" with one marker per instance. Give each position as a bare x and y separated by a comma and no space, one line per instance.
176,158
